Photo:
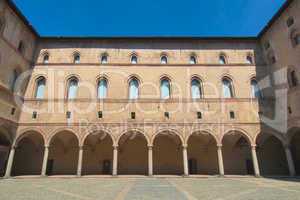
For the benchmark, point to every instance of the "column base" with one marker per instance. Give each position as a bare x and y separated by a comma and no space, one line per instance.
257,176
185,176
221,176
6,177
115,176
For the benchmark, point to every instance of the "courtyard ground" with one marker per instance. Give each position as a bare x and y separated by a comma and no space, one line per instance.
149,188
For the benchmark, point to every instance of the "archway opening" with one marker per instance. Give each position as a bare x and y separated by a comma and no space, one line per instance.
295,147
133,154
63,154
167,154
202,154
237,154
29,154
271,155
5,145
97,154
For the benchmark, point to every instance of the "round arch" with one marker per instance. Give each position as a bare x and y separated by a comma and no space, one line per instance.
29,153
202,153
23,133
236,150
270,144
133,152
167,152
5,144
172,131
97,152
63,152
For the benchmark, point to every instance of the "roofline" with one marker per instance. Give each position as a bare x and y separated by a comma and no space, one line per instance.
13,6
274,18
261,33
150,38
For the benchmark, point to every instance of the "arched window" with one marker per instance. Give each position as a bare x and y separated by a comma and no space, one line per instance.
13,79
295,37
227,88
104,59
255,90
294,79
164,59
290,21
196,89
40,88
134,59
222,59
102,88
249,59
2,25
72,88
46,58
193,60
21,47
133,88
165,88
76,58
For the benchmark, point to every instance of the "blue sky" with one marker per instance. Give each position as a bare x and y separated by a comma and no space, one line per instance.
149,17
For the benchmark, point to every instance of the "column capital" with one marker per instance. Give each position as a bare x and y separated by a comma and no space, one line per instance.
286,146
80,147
46,146
219,146
150,147
115,147
253,146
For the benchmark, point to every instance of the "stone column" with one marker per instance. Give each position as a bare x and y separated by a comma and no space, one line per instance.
290,161
10,162
79,166
150,160
185,161
45,161
115,161
255,162
220,160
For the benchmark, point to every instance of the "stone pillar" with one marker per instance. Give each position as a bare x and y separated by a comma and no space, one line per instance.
185,161
290,161
115,161
220,160
10,162
45,161
79,166
255,162
150,160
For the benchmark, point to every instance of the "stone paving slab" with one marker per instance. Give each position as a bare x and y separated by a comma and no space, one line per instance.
149,189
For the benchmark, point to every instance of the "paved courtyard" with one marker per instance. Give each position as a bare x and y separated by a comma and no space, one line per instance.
149,188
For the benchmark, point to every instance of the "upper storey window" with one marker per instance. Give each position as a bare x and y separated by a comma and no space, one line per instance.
196,88
21,47
255,90
295,37
72,88
76,58
2,25
165,88
249,59
46,58
222,59
267,45
13,79
133,88
102,88
193,60
290,21
227,88
164,59
134,59
104,59
40,88
293,80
